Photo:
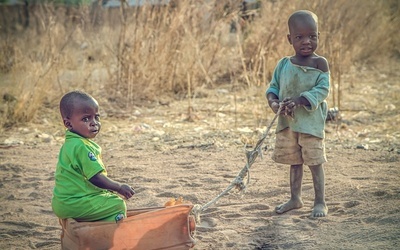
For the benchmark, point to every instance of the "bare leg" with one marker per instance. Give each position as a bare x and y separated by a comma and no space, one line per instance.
296,178
320,209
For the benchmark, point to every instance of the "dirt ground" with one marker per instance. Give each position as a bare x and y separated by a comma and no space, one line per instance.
162,155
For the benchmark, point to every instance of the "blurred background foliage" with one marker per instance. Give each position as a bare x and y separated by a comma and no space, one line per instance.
130,51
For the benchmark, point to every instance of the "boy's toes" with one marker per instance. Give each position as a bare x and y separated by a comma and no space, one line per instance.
319,210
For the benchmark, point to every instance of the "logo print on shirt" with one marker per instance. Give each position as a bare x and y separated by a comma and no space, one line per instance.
92,157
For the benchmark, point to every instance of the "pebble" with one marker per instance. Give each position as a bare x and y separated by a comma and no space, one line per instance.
12,141
362,146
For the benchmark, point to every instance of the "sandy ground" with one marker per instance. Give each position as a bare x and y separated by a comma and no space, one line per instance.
162,156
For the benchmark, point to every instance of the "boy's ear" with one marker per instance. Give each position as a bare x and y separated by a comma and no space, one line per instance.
67,123
288,38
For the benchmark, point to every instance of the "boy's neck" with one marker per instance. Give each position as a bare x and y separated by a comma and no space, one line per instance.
308,61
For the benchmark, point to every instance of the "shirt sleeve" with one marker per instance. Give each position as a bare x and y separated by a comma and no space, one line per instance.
274,84
89,161
319,93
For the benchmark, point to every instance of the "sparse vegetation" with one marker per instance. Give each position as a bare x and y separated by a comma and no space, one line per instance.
129,54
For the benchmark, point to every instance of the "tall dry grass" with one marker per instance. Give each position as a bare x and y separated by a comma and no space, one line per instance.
130,54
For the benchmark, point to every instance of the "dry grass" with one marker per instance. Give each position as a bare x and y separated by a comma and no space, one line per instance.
131,54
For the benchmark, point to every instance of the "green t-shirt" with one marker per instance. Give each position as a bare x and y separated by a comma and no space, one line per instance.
290,80
78,161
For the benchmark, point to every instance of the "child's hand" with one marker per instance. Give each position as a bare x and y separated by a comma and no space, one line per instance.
288,106
274,104
126,191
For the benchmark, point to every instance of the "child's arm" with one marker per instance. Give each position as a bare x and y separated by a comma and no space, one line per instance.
292,103
102,181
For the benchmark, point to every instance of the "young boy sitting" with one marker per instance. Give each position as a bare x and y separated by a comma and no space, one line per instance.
82,189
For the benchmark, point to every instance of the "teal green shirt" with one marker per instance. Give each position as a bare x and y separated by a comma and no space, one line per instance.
290,80
78,161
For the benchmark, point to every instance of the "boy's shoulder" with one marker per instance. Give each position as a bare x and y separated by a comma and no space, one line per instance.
283,61
317,62
322,63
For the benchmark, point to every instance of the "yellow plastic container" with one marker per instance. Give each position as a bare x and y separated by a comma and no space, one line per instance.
144,229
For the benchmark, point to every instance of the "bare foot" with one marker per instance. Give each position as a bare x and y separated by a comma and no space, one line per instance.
291,204
319,210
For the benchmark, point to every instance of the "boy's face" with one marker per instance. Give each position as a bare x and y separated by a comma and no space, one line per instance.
303,36
85,119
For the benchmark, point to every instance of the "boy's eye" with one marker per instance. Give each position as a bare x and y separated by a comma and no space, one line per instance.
313,37
97,118
85,119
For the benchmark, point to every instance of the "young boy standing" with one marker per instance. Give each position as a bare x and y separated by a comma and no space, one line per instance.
82,189
298,89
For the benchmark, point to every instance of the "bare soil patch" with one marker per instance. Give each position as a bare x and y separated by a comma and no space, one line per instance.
163,155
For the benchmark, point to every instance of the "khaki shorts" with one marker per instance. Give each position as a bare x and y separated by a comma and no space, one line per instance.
295,148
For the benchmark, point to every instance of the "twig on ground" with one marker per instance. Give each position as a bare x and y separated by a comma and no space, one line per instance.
238,181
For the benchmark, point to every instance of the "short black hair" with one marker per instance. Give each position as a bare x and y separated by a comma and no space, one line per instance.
68,100
302,14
